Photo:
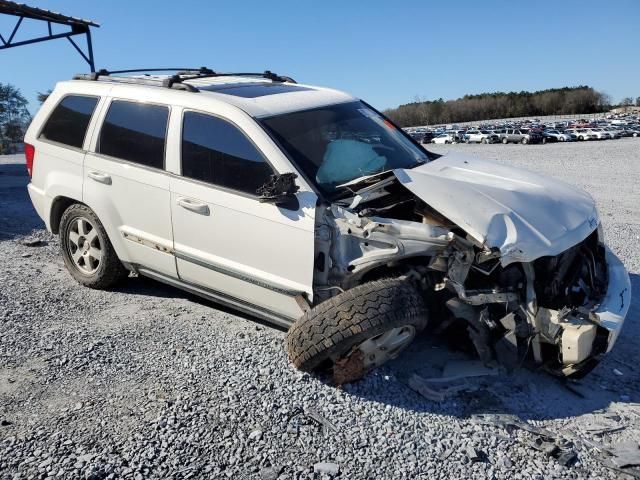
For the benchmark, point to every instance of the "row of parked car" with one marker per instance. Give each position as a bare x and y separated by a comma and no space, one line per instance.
530,132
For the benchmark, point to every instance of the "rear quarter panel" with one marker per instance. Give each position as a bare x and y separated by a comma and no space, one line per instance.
57,168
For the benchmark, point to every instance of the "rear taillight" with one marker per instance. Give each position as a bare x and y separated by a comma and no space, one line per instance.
29,153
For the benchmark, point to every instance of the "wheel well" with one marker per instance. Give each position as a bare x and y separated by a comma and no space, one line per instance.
395,269
59,205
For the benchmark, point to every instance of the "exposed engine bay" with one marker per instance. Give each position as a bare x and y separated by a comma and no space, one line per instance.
512,311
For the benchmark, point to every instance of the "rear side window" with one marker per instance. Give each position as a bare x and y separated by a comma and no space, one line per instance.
69,121
135,132
215,151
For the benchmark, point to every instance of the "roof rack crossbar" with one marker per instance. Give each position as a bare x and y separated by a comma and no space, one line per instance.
176,80
154,82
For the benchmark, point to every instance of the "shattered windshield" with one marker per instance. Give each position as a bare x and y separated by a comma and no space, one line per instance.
339,143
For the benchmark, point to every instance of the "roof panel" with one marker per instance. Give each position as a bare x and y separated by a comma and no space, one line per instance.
254,90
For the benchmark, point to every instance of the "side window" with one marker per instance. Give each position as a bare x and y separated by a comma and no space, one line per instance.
136,132
69,120
215,151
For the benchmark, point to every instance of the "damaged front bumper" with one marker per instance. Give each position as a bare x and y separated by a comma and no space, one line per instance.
615,305
584,336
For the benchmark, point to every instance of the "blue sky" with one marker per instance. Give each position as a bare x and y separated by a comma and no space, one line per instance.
387,53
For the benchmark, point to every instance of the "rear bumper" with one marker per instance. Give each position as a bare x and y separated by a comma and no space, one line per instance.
41,203
615,305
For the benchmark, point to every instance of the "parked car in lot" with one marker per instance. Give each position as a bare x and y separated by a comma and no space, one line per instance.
581,134
308,208
613,132
546,138
600,133
428,136
558,135
520,135
480,136
444,138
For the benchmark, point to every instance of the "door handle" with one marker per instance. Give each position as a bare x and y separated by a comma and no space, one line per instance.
100,177
193,206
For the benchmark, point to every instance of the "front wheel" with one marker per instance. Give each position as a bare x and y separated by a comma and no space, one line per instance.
86,249
505,141
484,140
357,330
524,141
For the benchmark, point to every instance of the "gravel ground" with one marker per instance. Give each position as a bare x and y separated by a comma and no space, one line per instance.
148,382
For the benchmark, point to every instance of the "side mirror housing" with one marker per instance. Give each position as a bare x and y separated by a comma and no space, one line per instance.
280,190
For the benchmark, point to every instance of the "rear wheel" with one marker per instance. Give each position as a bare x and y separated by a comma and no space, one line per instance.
484,140
505,141
357,330
86,249
524,141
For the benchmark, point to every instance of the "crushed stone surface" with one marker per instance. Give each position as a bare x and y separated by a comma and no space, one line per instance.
145,381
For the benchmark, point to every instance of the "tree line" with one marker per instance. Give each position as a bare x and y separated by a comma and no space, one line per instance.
485,106
14,118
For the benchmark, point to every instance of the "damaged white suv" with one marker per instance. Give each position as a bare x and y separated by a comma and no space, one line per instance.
308,208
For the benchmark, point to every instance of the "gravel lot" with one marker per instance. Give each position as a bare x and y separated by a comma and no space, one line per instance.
148,382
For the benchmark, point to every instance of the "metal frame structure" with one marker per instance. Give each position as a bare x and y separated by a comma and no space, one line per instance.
77,26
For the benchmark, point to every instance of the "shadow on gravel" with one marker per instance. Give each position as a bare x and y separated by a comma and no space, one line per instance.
531,395
17,216
147,287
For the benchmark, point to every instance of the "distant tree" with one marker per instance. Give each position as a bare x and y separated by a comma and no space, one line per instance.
637,101
14,117
42,96
626,101
485,106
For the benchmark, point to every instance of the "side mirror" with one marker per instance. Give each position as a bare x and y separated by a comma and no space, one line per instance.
280,190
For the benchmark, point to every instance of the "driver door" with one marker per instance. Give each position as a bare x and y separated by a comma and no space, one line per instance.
253,255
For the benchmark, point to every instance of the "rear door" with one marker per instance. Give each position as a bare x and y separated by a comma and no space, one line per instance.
249,253
126,183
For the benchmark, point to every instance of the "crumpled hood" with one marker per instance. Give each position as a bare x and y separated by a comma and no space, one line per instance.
524,214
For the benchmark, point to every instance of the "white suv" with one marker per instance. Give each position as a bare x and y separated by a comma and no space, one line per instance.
308,208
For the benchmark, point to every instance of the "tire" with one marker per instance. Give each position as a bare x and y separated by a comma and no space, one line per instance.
484,140
581,138
98,267
635,135
544,141
505,141
524,141
447,142
334,330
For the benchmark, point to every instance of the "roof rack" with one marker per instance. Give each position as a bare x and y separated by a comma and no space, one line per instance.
176,80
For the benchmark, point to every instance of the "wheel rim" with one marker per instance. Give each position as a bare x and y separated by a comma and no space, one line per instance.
84,246
386,346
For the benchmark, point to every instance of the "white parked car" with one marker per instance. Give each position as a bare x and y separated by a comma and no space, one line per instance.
599,133
306,207
444,138
581,134
480,136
